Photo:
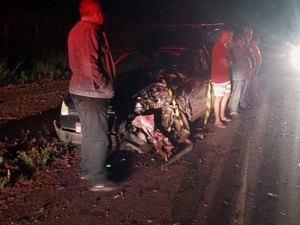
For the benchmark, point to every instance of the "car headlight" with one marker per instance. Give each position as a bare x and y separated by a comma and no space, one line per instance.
64,111
295,58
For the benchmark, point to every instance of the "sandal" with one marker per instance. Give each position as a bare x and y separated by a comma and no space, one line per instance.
220,125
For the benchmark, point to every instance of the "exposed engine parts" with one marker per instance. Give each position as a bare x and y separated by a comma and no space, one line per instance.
159,120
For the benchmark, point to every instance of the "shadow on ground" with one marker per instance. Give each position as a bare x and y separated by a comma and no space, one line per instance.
42,122
120,165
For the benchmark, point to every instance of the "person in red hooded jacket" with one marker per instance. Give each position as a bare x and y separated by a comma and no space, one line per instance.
91,86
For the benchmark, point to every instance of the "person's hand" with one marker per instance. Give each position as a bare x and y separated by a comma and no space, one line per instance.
96,86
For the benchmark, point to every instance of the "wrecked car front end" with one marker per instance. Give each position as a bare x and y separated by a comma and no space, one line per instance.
156,118
158,122
162,86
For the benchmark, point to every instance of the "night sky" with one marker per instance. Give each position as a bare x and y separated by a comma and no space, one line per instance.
230,11
274,20
266,16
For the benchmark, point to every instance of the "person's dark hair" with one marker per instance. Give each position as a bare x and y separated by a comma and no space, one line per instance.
223,30
88,7
247,28
237,36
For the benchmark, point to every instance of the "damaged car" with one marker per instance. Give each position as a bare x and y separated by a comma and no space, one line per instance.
161,89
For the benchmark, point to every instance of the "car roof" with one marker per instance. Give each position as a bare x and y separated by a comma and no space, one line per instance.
179,36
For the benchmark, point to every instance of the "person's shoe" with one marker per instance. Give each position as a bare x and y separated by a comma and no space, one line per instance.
105,186
234,114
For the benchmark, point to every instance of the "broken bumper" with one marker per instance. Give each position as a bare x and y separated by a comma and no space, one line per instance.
67,136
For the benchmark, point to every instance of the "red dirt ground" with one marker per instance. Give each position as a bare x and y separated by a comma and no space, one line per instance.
55,195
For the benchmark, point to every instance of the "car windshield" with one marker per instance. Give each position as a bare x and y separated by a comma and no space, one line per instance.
129,62
191,62
148,63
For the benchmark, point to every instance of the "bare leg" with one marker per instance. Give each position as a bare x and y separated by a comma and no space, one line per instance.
224,106
217,104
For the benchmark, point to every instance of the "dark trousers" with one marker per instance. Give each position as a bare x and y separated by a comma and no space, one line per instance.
94,130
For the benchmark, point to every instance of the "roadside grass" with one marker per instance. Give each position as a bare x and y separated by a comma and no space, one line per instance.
20,158
53,65
8,75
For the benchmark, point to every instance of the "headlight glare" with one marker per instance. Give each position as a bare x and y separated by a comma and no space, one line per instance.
295,58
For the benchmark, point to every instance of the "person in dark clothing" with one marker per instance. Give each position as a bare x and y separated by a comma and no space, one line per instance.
241,69
255,88
91,86
246,99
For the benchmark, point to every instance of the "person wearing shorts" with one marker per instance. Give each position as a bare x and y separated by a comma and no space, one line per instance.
221,89
220,77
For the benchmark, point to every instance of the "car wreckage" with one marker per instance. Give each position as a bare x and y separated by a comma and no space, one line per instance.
162,86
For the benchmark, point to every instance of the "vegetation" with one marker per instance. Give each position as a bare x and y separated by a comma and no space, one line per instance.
54,66
20,158
7,75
